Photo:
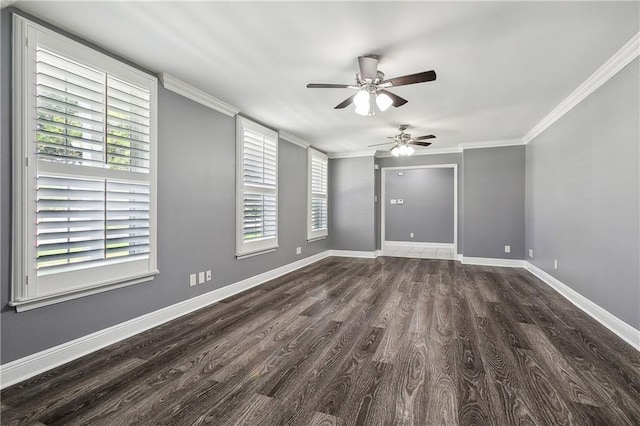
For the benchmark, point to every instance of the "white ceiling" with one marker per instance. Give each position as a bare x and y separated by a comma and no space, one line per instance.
501,66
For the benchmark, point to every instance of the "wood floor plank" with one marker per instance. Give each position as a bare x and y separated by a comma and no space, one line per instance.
385,341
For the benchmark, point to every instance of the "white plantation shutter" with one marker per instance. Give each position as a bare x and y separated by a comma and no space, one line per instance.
317,222
257,192
87,186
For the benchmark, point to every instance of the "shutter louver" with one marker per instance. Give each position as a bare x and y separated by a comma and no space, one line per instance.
70,111
259,216
257,196
259,171
128,121
259,162
88,118
318,193
70,221
127,220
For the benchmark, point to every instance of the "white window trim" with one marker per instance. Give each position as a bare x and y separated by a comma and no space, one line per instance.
267,245
323,233
24,276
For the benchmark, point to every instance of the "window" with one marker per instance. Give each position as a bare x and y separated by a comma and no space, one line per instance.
84,169
317,220
257,188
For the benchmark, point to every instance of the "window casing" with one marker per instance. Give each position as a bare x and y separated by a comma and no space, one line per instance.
256,188
84,170
317,195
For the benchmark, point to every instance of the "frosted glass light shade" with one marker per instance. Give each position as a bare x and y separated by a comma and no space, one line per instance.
395,151
383,101
361,99
362,110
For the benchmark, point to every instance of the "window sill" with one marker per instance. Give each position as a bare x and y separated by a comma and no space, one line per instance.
38,302
310,240
256,253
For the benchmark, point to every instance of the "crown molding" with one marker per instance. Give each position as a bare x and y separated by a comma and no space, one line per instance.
6,3
618,61
294,139
353,154
197,95
491,144
457,149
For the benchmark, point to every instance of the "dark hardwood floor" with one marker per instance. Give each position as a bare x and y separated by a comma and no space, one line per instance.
354,341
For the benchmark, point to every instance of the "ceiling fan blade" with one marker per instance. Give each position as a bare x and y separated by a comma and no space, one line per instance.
420,77
345,103
397,100
368,66
419,143
378,144
327,86
422,138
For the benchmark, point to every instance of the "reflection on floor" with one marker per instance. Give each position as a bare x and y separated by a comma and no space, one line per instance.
419,252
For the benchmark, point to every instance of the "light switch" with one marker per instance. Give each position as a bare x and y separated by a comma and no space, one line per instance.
192,280
400,201
200,277
394,201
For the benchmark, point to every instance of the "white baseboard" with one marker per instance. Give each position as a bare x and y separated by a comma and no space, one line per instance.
29,366
417,244
604,317
489,261
378,253
352,253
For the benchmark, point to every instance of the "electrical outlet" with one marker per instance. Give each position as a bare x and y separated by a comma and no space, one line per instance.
507,249
530,253
394,201
192,280
555,263
375,198
209,275
400,201
298,250
411,235
200,277
400,174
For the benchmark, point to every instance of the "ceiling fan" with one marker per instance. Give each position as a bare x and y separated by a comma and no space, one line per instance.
372,87
402,142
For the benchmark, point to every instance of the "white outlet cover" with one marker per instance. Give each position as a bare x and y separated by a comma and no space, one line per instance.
507,249
298,250
209,275
400,201
400,174
411,235
192,280
200,277
555,263
394,201
530,253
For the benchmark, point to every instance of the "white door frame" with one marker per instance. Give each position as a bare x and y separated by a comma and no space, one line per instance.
383,199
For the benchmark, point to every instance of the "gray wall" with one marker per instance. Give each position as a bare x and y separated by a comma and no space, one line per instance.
583,197
494,202
196,224
421,160
428,205
351,205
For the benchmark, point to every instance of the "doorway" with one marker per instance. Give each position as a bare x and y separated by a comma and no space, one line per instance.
419,212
